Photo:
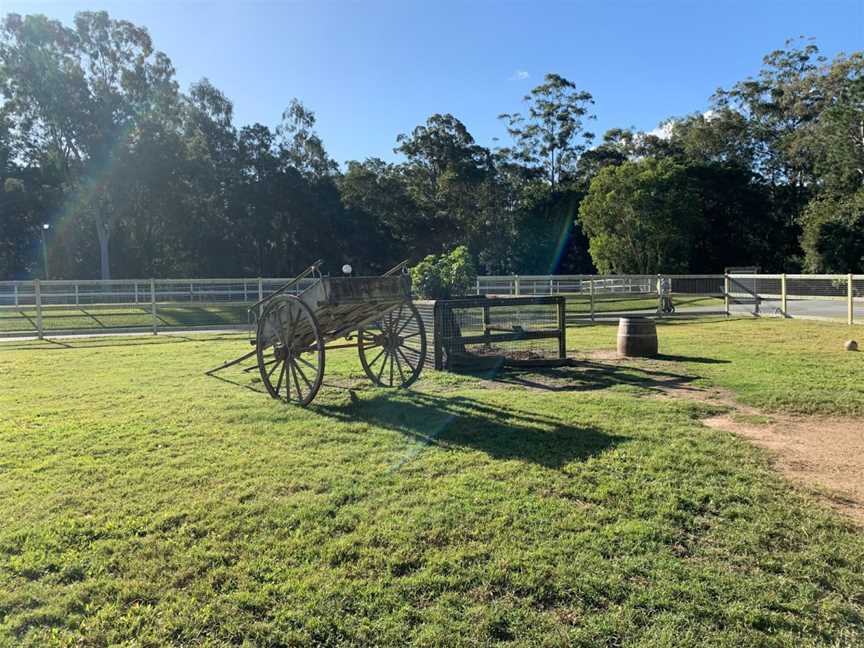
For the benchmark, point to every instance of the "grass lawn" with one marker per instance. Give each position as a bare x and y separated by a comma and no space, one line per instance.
794,366
628,303
143,503
107,317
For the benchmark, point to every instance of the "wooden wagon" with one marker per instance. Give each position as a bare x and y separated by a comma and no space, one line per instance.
375,315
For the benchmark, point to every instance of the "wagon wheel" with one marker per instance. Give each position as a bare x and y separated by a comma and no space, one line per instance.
393,349
290,351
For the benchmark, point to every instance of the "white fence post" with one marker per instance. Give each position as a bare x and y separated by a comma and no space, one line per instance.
478,285
37,287
15,290
153,306
726,292
260,295
850,299
783,300
591,291
516,279
77,300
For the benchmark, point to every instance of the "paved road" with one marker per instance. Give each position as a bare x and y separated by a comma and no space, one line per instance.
807,308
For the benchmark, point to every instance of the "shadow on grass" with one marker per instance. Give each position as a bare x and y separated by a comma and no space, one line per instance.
454,422
591,376
694,359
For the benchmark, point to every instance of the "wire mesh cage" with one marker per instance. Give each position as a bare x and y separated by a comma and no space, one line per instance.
483,332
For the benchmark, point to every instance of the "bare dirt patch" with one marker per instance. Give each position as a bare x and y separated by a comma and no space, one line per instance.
826,453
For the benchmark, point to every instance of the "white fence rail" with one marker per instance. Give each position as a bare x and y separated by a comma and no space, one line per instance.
39,308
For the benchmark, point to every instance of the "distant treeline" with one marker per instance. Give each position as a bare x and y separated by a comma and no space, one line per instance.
137,178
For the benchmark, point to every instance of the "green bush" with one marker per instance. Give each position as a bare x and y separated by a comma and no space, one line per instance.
439,276
833,238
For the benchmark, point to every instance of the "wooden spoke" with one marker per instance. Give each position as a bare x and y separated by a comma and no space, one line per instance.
281,376
303,376
380,353
296,382
381,371
398,366
405,358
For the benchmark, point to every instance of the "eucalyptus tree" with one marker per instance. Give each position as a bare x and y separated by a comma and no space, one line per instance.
77,96
447,175
551,134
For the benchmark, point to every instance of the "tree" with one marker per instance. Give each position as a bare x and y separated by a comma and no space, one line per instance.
551,136
640,217
836,140
833,238
76,95
383,216
300,145
447,176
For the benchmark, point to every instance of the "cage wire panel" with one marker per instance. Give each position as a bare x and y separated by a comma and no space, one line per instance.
475,333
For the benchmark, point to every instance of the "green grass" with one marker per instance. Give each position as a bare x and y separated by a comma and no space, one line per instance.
108,317
627,303
794,366
143,503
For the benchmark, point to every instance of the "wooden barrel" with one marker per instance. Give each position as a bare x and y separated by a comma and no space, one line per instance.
637,336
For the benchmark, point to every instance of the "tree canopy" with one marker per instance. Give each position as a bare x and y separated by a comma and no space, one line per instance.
138,177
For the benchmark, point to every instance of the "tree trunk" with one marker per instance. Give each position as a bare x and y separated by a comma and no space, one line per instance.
104,234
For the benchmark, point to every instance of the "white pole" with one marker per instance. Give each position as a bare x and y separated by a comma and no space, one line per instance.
77,302
478,285
38,290
591,290
850,297
517,284
153,306
726,292
15,288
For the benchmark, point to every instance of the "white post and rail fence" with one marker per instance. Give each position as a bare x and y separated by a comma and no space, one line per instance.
40,308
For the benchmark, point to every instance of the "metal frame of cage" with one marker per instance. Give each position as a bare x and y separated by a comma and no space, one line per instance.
519,327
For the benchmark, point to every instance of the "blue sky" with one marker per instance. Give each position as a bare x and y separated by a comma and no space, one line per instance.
371,70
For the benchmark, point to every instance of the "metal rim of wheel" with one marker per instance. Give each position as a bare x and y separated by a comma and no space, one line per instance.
290,351
396,344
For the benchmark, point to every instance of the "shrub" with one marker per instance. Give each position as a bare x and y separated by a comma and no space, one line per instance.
440,276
